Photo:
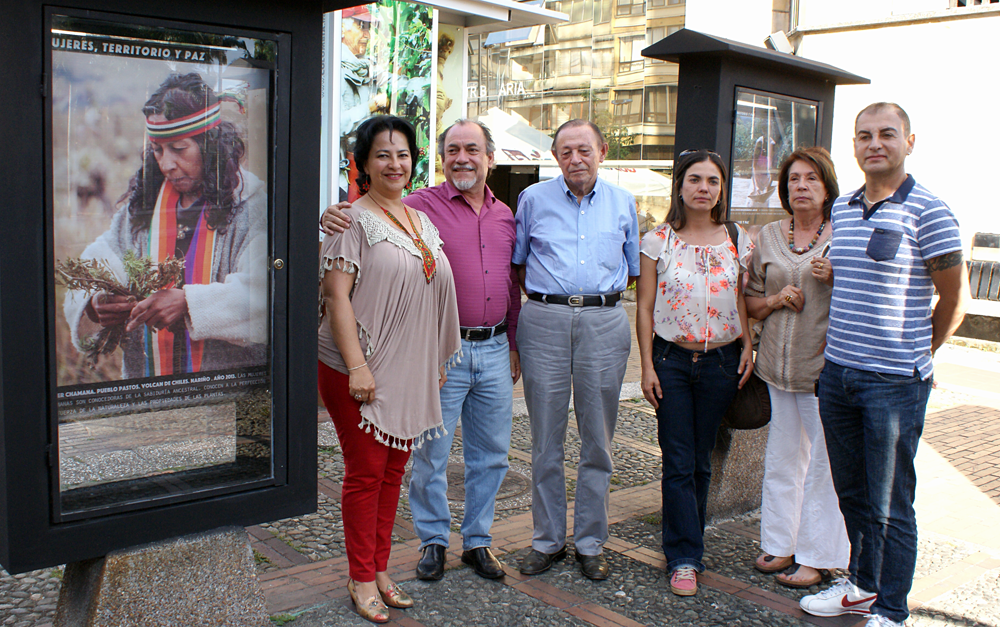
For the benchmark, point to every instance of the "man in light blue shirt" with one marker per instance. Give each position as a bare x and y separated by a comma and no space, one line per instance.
577,247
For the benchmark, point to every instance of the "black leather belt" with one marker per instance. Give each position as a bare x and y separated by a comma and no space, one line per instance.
478,334
579,300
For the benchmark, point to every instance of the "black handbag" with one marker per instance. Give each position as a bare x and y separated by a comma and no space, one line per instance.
751,407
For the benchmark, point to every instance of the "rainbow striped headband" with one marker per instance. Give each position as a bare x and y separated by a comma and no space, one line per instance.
191,125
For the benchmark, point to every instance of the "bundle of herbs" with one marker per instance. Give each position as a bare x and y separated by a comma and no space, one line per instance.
93,275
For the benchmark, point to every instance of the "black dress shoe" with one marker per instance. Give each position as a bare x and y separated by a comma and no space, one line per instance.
483,562
538,562
594,566
431,564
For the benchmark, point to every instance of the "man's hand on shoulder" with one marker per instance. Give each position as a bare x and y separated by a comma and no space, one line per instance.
334,220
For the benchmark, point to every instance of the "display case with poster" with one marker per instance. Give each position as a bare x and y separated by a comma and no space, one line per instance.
160,242
166,393
767,128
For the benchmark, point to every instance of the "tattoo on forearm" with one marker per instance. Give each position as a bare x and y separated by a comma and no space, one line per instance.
948,260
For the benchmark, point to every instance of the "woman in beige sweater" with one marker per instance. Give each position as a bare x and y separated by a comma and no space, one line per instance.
790,281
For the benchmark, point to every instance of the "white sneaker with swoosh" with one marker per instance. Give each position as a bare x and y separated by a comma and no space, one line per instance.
843,597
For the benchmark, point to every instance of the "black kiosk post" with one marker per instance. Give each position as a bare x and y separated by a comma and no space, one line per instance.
753,106
158,273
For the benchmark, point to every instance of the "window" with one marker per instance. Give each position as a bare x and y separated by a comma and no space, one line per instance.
630,7
657,3
548,64
603,62
576,61
661,104
474,48
630,52
602,11
627,107
654,35
576,10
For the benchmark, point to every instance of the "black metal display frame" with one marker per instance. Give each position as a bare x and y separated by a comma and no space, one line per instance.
33,533
711,71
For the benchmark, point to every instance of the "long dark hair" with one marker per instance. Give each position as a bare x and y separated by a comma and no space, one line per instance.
222,149
366,134
677,216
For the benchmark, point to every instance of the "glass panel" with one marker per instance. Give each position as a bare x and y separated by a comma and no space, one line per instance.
386,67
768,128
160,161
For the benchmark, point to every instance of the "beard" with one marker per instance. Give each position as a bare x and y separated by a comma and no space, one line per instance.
465,185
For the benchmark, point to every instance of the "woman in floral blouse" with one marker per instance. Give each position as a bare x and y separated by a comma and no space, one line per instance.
690,323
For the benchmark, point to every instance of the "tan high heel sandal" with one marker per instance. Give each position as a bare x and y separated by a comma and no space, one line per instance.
372,609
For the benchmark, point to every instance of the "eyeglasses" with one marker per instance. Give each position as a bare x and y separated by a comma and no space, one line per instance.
691,152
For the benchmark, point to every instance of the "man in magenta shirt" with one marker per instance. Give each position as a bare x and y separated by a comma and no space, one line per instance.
478,234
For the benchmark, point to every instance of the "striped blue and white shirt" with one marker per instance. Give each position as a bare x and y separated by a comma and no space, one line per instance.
880,313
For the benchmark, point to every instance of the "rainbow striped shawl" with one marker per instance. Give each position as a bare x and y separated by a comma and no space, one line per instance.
160,345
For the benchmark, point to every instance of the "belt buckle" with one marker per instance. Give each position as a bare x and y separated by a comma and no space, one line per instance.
576,300
476,334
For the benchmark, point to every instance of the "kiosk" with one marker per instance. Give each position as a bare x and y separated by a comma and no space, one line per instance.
751,105
119,429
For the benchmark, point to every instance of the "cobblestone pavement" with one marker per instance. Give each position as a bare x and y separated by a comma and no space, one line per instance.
303,570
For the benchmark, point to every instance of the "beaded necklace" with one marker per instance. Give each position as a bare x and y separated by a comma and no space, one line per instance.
430,266
791,238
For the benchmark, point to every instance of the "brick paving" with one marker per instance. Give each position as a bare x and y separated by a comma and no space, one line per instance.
962,436
968,436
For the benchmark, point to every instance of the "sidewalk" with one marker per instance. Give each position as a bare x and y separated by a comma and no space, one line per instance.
958,507
303,568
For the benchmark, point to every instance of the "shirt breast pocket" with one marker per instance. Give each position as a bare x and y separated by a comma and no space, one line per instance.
610,249
883,244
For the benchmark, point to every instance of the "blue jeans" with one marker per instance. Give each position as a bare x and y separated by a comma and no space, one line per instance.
872,423
697,389
480,391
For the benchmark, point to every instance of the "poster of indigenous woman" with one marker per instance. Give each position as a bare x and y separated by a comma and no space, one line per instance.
160,211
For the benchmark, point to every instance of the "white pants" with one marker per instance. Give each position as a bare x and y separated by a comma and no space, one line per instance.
800,514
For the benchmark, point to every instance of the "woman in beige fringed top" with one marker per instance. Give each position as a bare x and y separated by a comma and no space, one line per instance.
390,327
801,529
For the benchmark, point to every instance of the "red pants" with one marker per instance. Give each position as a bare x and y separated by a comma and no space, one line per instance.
373,473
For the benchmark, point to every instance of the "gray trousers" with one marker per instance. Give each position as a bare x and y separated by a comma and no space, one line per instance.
583,350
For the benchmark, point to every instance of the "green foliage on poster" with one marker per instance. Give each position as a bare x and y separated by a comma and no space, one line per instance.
405,42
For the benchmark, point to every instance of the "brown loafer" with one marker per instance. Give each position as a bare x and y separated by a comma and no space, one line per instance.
594,566
537,562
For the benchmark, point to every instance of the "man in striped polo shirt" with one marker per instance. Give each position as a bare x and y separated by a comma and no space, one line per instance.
893,243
